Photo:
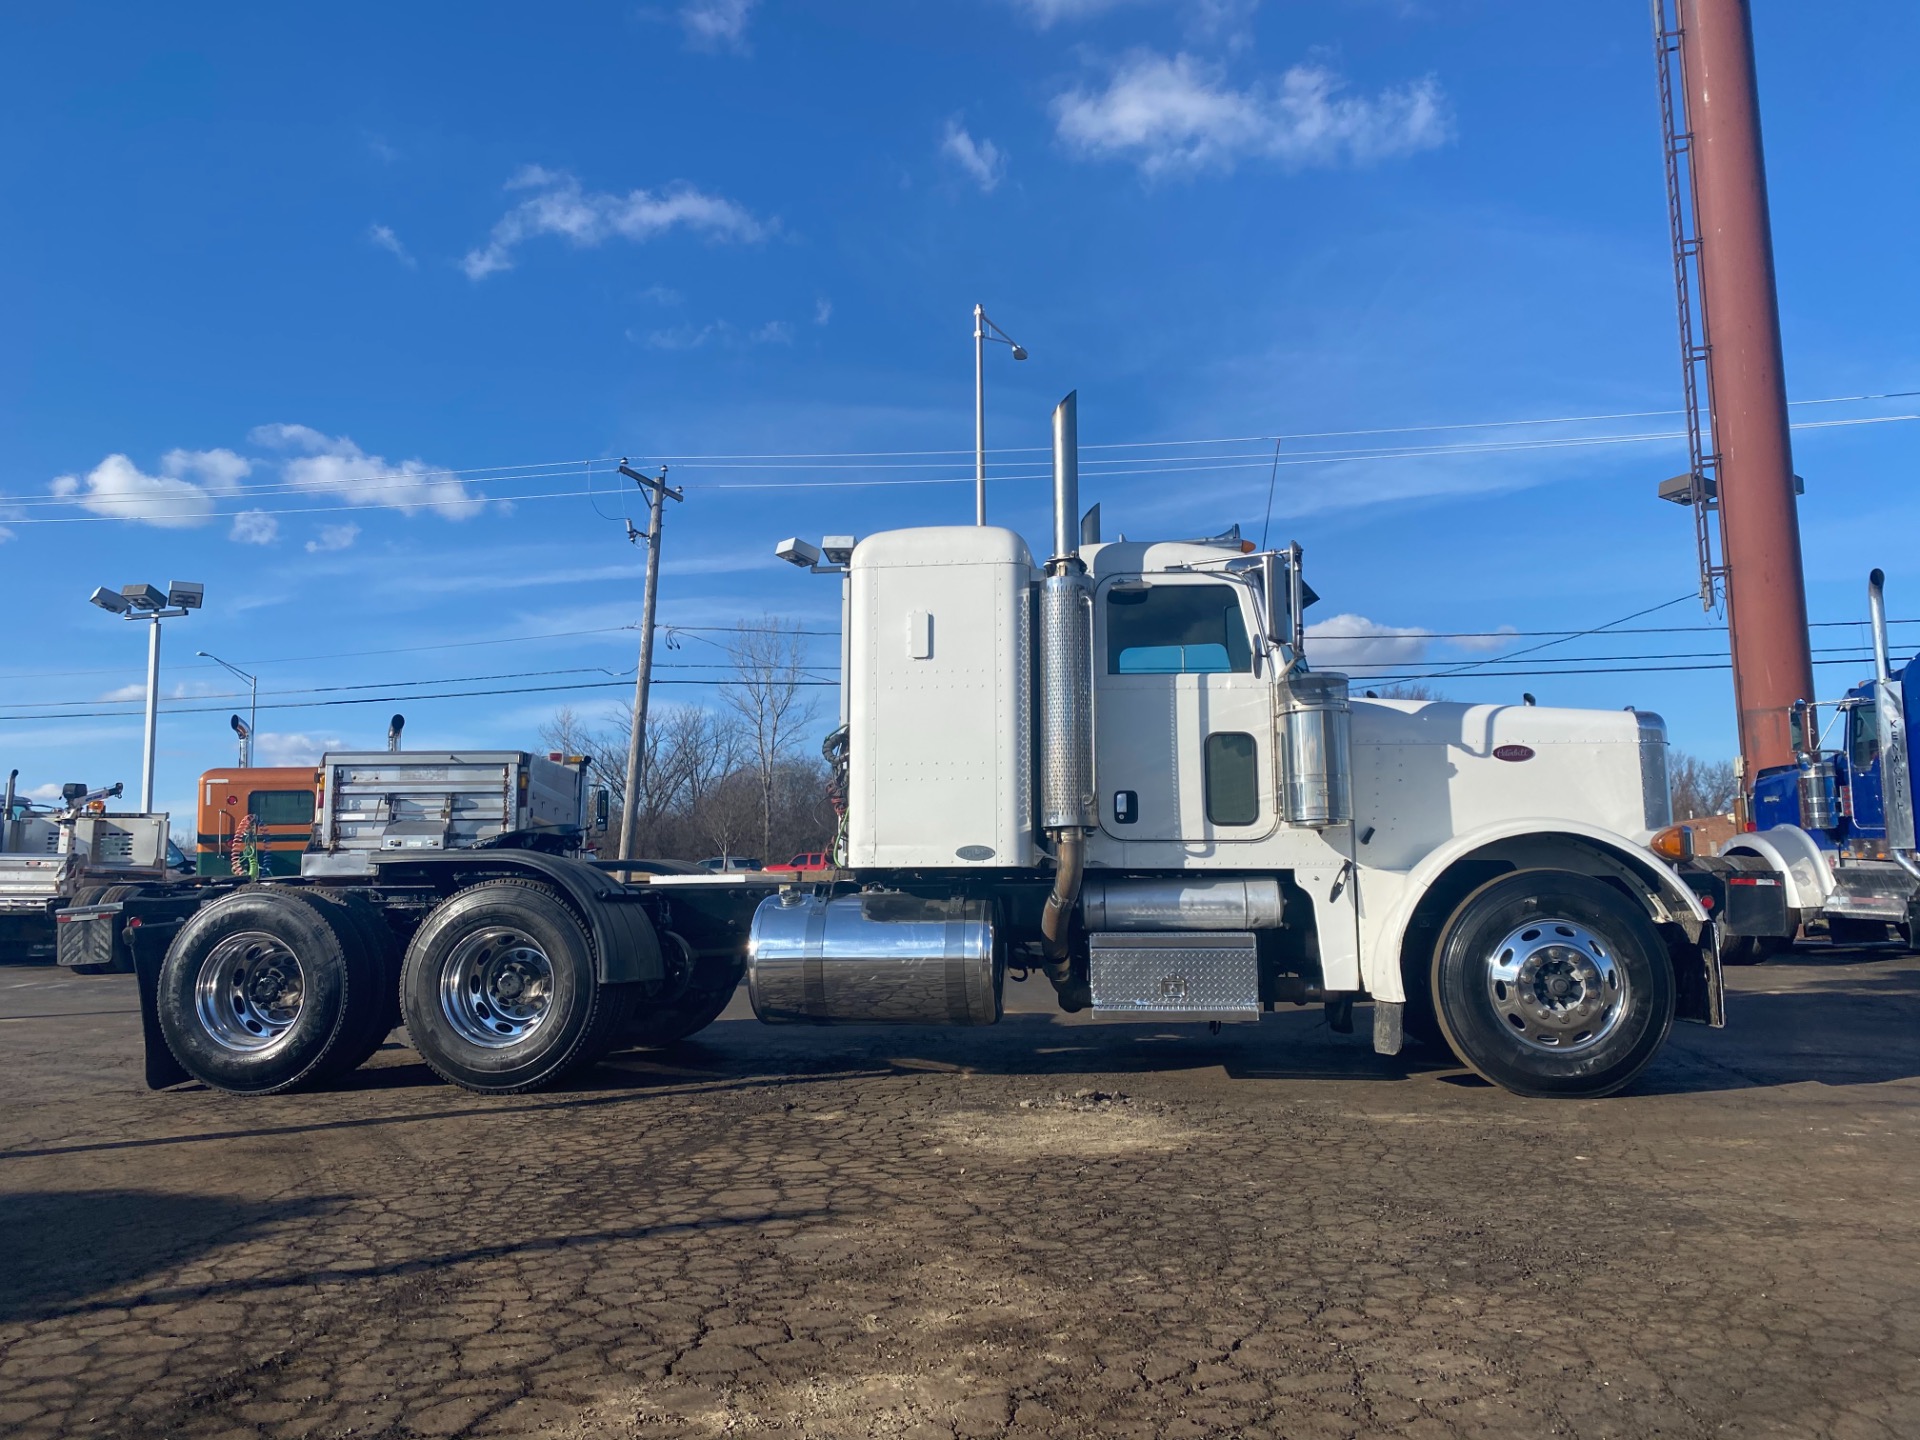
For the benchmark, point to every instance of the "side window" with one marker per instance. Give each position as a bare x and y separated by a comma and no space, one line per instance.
281,807
1233,779
1863,738
1176,630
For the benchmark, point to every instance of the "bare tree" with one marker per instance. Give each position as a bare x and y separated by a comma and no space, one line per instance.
769,664
1700,787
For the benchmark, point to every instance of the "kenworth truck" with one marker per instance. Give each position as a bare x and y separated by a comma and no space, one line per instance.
1832,840
1117,769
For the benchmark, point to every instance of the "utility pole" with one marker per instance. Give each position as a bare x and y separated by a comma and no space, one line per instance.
658,493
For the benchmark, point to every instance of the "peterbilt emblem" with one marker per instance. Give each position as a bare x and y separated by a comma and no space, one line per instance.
1513,752
975,852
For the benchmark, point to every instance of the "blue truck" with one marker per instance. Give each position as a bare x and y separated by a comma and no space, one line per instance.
1832,842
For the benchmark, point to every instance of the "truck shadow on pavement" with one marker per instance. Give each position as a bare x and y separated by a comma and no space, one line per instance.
63,1246
128,1234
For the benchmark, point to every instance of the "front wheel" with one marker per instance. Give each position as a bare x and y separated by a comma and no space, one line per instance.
1552,984
499,993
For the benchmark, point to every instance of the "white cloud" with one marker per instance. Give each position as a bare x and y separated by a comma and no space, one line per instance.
1205,19
663,295
181,496
716,24
334,465
1349,642
273,747
984,162
588,218
716,332
1170,115
1493,640
382,237
47,792
334,537
822,310
5,534
1048,13
254,527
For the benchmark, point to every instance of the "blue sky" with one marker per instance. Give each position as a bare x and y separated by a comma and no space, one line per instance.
269,275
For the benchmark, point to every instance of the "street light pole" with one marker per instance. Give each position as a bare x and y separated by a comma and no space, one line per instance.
983,331
153,712
152,604
253,703
658,493
979,416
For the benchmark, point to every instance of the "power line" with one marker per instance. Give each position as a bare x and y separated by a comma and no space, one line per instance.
1168,465
388,699
447,645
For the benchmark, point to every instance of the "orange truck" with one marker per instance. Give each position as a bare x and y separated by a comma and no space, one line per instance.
256,821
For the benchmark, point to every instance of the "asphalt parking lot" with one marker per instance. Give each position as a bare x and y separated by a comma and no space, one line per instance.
1048,1228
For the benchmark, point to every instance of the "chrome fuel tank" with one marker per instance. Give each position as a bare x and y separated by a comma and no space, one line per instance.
875,958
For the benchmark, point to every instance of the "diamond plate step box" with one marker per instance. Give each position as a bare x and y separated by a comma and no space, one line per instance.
1187,975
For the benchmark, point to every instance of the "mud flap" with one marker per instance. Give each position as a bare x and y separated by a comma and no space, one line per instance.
1700,994
149,944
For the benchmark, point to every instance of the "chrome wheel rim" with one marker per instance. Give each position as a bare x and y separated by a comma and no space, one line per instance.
249,993
496,988
1556,985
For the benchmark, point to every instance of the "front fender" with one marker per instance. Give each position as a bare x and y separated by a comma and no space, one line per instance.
1511,837
1792,852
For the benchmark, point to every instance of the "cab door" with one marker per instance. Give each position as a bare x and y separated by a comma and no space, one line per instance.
1183,723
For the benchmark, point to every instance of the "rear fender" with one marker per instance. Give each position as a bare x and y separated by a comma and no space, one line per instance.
625,947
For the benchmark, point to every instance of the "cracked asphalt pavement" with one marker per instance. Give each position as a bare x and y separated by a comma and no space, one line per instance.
1050,1228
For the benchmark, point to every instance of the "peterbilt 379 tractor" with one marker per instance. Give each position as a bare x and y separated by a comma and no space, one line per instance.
1117,768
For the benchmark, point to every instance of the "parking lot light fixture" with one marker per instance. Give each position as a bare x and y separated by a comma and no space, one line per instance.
152,604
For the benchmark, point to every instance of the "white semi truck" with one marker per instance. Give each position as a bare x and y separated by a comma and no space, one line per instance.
1117,768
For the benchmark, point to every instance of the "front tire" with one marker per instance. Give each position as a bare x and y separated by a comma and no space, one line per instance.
1552,984
499,993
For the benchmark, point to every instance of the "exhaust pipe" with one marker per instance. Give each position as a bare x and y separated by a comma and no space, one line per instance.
394,727
1877,610
1066,687
1066,478
6,811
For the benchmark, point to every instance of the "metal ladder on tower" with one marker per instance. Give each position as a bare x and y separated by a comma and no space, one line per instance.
1698,488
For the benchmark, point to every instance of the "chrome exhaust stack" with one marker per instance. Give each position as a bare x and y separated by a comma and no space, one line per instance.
1066,687
1877,612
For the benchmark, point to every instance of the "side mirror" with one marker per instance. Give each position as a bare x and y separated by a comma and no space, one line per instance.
602,802
1273,599
1284,598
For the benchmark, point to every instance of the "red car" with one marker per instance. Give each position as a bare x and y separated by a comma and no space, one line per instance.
812,860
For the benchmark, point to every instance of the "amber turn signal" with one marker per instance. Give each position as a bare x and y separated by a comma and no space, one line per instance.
1673,843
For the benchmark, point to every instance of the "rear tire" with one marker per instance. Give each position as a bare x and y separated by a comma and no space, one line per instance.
1553,984
258,995
499,992
365,934
1753,949
657,1025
